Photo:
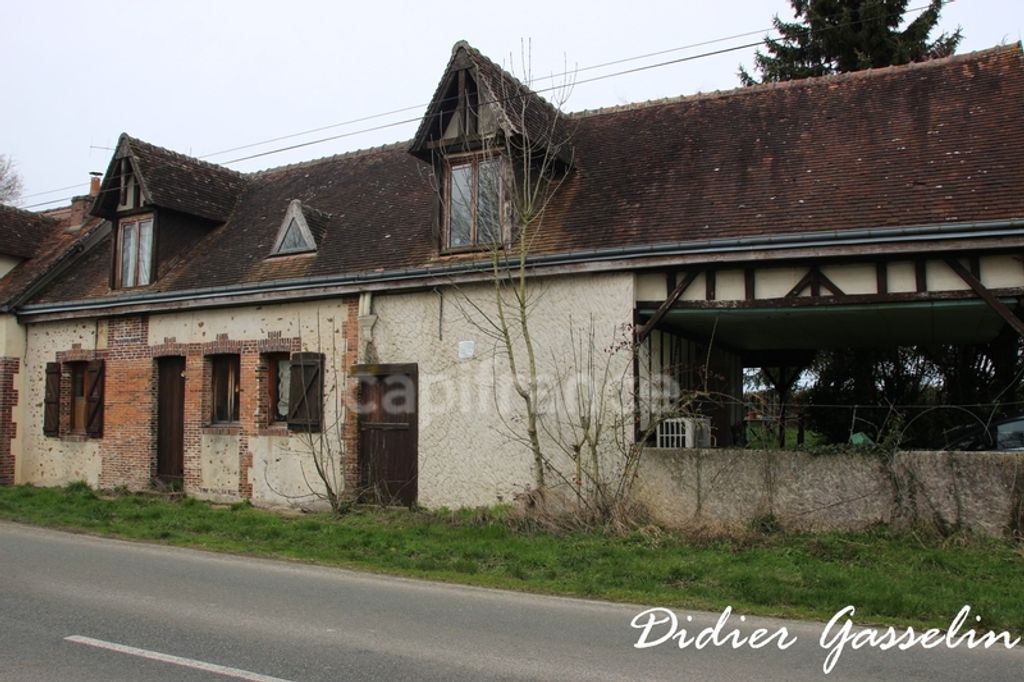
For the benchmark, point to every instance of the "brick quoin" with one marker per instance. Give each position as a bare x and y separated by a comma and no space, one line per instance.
8,429
129,444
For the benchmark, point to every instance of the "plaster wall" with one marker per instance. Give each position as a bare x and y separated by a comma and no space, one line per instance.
12,337
696,291
467,457
320,325
219,467
282,472
730,285
651,286
1002,271
853,278
730,489
256,459
901,277
51,461
940,277
776,282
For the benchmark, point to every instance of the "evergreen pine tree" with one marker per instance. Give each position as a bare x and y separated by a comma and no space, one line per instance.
834,36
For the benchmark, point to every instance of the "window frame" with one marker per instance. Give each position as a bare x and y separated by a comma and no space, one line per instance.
225,392
73,399
474,161
135,224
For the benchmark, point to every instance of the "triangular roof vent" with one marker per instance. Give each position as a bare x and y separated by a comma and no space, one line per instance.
294,236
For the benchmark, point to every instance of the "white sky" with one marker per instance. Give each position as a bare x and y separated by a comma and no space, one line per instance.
202,76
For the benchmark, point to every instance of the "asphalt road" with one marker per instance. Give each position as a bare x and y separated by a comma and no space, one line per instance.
83,608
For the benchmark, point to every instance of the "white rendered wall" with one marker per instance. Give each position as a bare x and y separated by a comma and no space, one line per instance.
467,456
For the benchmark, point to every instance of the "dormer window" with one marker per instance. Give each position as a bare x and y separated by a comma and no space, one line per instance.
294,236
474,201
134,252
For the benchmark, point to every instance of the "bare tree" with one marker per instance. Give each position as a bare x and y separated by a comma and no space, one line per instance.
10,181
522,155
318,423
573,405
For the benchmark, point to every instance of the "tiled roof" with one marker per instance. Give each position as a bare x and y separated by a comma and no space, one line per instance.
56,242
22,232
520,110
172,180
928,143
932,143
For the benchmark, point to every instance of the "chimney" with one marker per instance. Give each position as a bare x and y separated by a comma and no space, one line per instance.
80,204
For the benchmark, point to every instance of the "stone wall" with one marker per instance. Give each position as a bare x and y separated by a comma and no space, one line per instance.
730,489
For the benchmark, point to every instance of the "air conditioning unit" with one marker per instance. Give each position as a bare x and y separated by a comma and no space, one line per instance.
684,432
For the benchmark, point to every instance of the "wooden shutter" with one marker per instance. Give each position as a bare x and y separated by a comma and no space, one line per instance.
306,392
51,403
94,375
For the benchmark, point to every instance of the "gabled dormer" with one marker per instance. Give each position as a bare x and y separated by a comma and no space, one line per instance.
478,104
483,131
160,204
300,231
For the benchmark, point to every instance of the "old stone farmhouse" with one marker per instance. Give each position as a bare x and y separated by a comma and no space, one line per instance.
191,324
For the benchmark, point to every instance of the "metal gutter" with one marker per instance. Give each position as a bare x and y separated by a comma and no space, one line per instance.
362,281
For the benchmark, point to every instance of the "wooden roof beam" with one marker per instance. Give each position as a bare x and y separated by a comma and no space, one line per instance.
981,290
659,314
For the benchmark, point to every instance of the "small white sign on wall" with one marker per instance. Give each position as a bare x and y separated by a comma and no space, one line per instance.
467,349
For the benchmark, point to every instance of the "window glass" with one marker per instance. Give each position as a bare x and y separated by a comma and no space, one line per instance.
293,240
278,385
1010,436
78,397
284,377
488,213
128,254
136,266
225,388
145,251
460,213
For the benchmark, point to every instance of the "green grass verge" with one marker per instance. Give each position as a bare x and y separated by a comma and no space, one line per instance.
891,577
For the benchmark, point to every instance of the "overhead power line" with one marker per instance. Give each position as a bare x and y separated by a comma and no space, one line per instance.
392,112
572,72
496,101
416,107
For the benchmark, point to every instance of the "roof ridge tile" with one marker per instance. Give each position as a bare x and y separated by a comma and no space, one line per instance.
813,81
355,153
180,156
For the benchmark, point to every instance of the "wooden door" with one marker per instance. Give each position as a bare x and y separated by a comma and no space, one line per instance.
388,434
170,448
